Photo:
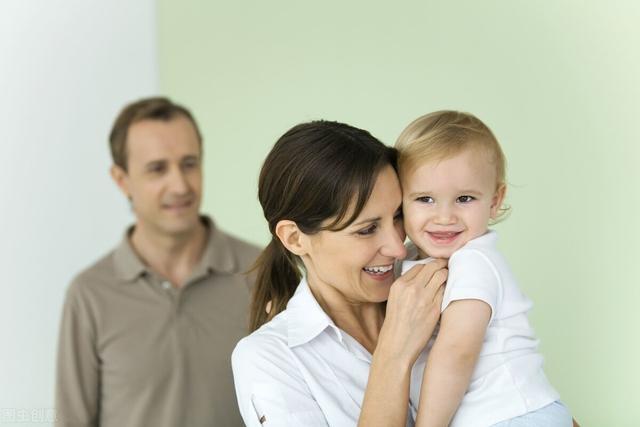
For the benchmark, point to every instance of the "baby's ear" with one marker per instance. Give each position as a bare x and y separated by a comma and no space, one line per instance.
497,200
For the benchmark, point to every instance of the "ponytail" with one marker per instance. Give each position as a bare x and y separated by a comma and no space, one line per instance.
276,281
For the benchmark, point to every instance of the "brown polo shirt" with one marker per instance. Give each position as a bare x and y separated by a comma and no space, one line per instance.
135,351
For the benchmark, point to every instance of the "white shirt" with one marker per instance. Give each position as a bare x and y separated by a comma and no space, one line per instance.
300,369
508,380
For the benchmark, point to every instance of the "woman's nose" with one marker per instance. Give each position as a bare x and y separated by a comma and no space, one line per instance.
393,246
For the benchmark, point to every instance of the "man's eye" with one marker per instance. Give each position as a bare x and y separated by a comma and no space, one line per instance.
190,164
156,169
367,231
465,199
425,199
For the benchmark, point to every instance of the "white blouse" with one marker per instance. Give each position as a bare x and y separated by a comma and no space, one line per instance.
300,369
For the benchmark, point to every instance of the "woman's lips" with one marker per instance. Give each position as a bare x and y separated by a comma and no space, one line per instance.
379,272
379,277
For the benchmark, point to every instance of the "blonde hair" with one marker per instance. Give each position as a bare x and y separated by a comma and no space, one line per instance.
443,134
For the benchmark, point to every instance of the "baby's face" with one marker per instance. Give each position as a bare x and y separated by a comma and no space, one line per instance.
449,202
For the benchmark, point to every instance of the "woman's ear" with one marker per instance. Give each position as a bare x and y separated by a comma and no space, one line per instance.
498,198
291,237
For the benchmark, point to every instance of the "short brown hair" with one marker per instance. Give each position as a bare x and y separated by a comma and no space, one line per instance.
155,108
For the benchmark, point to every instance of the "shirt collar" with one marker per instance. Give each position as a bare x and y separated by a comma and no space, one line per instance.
306,319
217,255
127,263
488,239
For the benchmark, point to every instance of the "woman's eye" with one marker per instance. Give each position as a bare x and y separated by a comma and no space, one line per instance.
369,230
425,199
465,199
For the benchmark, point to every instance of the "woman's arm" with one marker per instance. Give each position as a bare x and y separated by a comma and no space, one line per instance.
269,387
451,361
413,309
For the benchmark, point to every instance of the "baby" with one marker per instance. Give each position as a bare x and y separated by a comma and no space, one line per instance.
484,368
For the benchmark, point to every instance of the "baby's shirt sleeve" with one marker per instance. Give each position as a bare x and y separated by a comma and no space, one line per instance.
472,275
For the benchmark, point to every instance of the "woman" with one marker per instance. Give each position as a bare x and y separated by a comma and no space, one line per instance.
332,199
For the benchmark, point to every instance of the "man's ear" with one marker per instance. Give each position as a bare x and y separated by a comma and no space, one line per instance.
497,200
294,240
120,177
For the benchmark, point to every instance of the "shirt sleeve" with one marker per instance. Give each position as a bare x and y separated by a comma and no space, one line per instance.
270,388
77,376
472,275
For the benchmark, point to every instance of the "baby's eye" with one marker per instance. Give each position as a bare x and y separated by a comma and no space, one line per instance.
425,199
465,199
367,231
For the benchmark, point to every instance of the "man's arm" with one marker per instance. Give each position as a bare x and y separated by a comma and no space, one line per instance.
77,377
452,361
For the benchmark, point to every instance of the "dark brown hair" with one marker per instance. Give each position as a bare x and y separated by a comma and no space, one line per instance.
156,108
320,175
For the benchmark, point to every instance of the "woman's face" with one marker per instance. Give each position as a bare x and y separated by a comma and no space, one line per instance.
357,262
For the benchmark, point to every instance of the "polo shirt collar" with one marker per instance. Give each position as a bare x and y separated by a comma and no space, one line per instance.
127,263
217,255
306,319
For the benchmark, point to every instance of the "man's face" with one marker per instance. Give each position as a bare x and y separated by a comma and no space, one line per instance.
164,177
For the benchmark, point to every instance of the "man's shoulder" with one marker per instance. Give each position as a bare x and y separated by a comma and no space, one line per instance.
96,275
245,252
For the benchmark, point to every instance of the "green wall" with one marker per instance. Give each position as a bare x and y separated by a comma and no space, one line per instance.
559,83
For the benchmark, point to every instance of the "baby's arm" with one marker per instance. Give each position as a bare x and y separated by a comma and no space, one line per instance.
452,361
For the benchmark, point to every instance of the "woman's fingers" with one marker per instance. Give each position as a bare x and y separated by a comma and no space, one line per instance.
411,273
437,299
437,280
423,272
428,272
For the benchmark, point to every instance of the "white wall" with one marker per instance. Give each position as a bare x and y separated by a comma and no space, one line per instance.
66,68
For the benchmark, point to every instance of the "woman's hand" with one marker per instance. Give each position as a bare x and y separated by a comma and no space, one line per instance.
413,310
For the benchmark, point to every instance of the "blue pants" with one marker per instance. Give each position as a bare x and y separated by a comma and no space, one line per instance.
552,415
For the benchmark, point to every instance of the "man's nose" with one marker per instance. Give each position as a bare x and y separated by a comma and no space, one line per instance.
178,182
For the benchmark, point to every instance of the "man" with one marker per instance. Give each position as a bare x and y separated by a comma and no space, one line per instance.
147,331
